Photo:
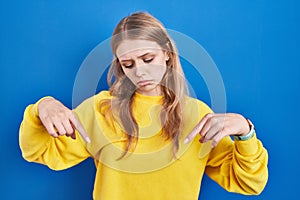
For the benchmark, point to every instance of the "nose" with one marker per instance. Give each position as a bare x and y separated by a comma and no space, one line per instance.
140,69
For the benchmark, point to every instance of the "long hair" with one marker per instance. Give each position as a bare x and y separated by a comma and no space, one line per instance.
143,26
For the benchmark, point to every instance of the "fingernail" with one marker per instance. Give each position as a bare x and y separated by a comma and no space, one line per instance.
88,140
186,141
213,144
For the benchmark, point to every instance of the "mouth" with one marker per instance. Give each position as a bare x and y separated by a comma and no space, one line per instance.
144,83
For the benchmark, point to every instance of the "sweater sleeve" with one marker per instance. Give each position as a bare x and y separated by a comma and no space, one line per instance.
239,166
38,146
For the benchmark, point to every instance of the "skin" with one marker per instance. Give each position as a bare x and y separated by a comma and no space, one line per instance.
60,120
217,126
144,63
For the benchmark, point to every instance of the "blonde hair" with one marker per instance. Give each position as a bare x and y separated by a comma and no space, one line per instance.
143,26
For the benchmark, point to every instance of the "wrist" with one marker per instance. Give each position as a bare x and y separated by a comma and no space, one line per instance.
247,135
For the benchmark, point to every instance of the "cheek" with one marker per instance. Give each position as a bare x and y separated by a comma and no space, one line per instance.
126,71
158,71
159,68
129,73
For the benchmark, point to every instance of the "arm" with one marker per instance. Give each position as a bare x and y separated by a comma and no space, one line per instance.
238,166
40,143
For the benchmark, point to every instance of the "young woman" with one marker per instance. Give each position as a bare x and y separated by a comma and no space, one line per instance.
149,139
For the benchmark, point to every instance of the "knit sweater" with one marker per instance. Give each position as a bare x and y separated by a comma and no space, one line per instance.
151,171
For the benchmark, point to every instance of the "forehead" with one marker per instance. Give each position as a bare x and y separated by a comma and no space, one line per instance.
135,48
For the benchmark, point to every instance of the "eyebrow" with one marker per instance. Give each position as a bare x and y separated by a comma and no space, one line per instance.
145,54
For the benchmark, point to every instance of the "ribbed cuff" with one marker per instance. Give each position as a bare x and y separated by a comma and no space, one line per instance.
34,113
247,147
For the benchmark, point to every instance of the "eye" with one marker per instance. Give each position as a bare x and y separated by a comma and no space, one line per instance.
128,65
148,60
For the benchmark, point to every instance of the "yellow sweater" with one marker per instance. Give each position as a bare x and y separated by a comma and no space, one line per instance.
150,172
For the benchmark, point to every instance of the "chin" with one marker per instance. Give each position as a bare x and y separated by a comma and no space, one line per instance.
151,90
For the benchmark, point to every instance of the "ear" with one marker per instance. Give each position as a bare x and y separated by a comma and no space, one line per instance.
167,56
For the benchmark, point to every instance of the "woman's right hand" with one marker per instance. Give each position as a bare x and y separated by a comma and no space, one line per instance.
60,120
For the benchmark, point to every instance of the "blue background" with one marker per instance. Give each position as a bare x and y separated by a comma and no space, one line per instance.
255,45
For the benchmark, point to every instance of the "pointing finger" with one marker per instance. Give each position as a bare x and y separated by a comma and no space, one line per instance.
197,129
78,126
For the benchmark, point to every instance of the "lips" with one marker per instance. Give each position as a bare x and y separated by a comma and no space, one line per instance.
144,82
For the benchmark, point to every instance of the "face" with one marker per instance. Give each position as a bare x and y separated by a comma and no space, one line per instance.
144,63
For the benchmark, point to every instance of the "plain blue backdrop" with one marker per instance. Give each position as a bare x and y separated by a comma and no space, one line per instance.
255,44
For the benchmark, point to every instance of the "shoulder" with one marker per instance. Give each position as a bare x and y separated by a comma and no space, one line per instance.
193,105
105,94
90,103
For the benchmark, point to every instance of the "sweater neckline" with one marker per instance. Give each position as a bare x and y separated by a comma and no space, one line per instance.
148,99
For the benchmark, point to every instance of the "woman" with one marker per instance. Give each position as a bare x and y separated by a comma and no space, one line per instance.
148,138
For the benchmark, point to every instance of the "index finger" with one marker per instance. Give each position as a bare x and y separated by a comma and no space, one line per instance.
79,127
196,129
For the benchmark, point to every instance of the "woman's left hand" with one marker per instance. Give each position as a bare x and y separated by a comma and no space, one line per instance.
217,126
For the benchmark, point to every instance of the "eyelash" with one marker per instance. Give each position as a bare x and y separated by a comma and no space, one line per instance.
148,60
128,66
145,61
